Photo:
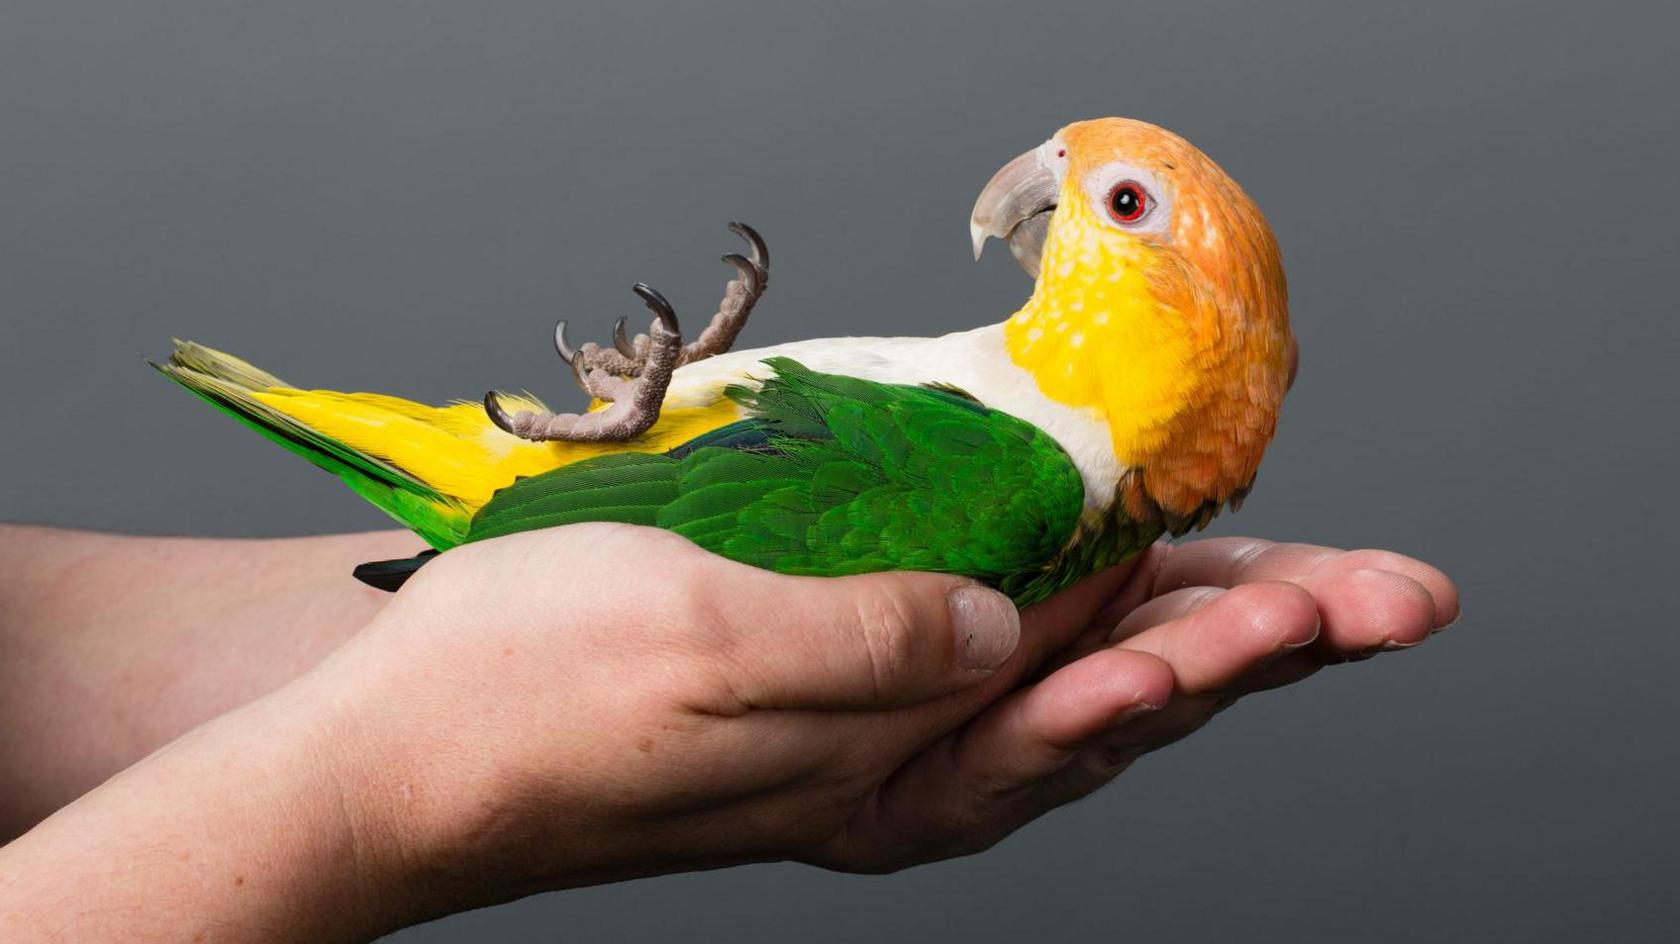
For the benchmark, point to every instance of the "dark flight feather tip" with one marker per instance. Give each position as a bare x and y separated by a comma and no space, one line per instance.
390,575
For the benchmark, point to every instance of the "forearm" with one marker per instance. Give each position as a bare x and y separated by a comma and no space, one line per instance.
112,646
243,830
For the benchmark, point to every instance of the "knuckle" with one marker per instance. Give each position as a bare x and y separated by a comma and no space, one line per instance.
629,545
1249,553
887,631
1191,599
1281,614
697,611
700,641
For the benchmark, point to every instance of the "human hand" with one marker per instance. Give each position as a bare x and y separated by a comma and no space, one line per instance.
1197,626
750,716
601,702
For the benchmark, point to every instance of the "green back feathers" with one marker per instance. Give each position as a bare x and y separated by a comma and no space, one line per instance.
229,383
836,475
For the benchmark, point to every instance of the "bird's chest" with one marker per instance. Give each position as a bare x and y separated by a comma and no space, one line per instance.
1188,399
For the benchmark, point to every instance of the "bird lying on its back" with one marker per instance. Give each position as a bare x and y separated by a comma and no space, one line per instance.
1132,395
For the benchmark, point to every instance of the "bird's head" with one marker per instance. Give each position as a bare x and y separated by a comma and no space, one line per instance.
1160,298
1116,193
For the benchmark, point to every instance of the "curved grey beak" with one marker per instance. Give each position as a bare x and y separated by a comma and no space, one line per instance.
1015,206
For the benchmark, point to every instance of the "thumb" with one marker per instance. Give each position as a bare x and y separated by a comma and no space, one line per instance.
869,641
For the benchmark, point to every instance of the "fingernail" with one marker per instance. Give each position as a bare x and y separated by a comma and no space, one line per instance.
1289,647
1393,644
1134,712
987,627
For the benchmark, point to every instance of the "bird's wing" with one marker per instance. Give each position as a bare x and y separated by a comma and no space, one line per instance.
833,475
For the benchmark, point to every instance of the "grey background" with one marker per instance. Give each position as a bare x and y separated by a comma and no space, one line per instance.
1478,208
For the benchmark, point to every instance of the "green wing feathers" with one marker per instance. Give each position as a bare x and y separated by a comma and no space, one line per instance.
835,475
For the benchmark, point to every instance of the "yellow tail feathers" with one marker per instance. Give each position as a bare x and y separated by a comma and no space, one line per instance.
453,450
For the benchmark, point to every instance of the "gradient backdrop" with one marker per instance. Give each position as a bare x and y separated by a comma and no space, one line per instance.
1477,204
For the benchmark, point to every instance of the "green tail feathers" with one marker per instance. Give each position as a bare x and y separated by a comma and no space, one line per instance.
228,383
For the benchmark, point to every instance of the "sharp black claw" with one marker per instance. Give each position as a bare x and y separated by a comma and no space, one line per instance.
749,270
657,304
621,342
499,416
565,350
760,252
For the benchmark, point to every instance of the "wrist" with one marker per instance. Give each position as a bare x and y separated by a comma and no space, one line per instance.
360,854
420,790
443,777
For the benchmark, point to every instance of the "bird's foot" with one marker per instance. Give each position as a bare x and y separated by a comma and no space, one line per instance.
633,401
634,373
752,277
627,356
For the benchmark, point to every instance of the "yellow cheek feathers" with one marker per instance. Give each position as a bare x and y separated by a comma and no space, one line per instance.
1094,335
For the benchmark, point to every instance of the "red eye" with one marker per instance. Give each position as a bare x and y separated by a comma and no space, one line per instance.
1128,202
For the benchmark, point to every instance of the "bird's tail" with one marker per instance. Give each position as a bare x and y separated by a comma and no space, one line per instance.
424,466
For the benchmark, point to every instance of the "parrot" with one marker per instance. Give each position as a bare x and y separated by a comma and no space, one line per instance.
1130,397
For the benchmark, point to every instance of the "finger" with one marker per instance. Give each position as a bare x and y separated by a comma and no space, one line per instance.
1162,609
1134,593
1094,634
1034,731
1370,611
1442,592
1219,639
1218,653
1050,627
1099,760
1108,755
868,641
975,785
1050,631
1226,562
1047,629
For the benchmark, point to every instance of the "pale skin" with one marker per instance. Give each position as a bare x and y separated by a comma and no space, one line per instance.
330,763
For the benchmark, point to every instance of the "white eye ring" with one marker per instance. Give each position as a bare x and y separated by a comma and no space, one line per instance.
1150,208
